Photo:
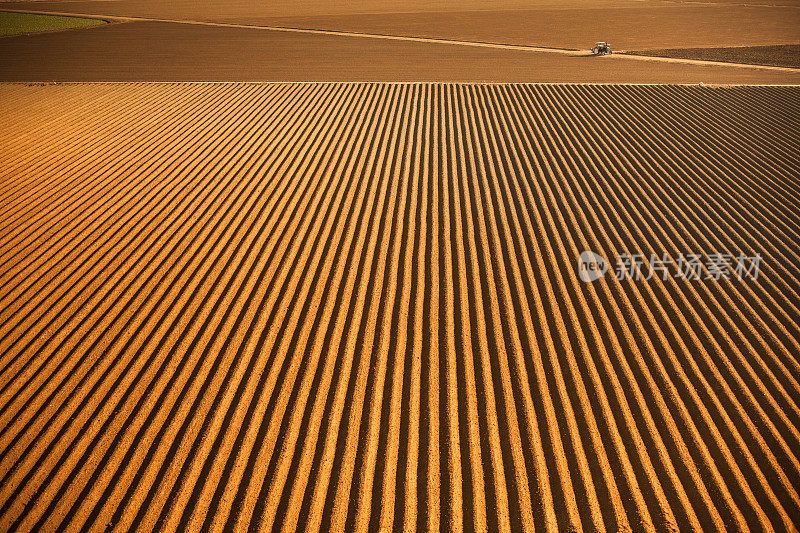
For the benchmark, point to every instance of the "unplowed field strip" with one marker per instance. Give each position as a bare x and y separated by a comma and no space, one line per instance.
356,306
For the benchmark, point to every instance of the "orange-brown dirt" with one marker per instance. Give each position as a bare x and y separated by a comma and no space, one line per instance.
356,306
158,51
213,9
626,28
787,55
577,25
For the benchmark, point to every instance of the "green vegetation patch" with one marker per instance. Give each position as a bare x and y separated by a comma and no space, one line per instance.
17,23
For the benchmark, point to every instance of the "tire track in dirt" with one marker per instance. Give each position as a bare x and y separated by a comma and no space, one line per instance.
356,306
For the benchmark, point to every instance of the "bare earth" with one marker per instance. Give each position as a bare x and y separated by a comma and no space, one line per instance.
787,55
356,306
629,25
214,9
158,51
573,25
626,27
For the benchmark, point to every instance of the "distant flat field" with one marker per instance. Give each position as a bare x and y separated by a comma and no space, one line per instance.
779,55
17,23
577,24
787,3
574,25
156,51
356,307
625,27
214,9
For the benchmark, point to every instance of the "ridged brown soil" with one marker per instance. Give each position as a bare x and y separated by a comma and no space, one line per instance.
356,306
787,55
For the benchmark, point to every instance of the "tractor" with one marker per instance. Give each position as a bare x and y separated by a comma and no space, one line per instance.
601,49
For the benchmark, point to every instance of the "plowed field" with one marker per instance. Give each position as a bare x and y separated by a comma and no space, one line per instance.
158,51
357,306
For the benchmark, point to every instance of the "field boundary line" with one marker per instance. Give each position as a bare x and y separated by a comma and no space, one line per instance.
382,82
